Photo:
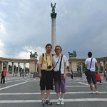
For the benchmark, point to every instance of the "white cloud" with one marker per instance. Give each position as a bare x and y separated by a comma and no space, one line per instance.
1,44
2,53
25,53
80,25
2,29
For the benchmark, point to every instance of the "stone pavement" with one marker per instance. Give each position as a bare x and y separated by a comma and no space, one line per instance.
24,92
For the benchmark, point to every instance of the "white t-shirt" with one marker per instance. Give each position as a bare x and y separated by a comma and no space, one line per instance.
88,61
58,59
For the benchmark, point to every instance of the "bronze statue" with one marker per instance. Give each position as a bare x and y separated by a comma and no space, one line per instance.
53,7
72,54
30,54
33,55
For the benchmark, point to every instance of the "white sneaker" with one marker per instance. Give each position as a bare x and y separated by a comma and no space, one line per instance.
62,101
59,101
96,92
43,102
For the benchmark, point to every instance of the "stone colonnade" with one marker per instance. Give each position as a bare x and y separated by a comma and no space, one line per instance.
74,63
6,62
79,64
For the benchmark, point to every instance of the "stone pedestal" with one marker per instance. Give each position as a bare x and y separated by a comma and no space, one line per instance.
32,65
73,64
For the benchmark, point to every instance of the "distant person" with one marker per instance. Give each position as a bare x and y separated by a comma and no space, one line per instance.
105,74
91,73
46,75
20,73
3,75
98,77
72,74
60,70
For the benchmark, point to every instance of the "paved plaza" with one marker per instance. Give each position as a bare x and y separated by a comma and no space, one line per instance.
24,92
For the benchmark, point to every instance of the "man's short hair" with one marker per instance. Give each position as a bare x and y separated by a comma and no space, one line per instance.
48,45
89,54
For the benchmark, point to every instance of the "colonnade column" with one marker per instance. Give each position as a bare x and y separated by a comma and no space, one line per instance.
12,66
7,67
24,64
1,66
18,67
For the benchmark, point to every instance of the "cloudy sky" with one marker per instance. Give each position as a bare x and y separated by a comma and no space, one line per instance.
25,25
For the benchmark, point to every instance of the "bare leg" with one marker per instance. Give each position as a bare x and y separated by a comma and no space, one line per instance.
47,97
47,94
91,87
62,95
58,95
43,97
95,87
62,98
43,94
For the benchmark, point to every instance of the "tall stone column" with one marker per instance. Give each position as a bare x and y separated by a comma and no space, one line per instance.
53,25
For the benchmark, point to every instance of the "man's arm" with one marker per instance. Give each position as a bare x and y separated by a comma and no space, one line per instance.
96,65
86,63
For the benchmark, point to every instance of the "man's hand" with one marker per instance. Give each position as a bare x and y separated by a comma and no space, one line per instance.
65,76
39,75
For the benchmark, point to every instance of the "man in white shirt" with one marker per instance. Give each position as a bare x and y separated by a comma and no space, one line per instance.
91,63
60,70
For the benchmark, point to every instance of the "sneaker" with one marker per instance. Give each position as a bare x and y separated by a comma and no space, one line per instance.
96,92
48,102
62,101
43,102
92,92
59,102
